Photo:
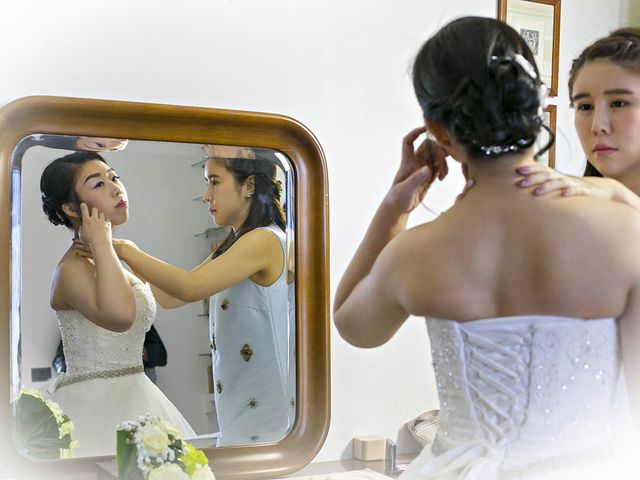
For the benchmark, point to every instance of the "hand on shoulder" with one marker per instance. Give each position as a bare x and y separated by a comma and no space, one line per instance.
542,180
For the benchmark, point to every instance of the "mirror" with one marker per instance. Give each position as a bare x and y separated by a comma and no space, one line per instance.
168,219
161,165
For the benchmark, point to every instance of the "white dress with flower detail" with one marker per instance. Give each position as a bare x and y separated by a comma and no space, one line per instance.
251,359
526,397
105,383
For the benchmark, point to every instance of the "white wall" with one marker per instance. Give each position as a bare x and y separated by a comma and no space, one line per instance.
340,67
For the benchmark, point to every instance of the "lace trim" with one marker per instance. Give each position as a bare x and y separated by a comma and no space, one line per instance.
84,377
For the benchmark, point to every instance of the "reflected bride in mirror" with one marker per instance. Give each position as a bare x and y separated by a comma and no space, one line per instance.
103,311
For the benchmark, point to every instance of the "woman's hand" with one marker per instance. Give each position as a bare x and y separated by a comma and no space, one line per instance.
95,229
468,184
545,180
81,249
542,180
418,168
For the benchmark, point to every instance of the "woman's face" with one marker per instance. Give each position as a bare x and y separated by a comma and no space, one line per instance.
606,98
228,202
98,185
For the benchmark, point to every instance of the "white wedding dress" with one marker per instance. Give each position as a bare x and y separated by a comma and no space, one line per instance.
105,383
527,397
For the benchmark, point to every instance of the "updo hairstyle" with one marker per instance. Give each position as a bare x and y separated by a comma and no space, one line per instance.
57,184
478,79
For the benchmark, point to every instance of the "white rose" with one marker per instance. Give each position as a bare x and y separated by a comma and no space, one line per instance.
153,439
170,429
169,471
202,472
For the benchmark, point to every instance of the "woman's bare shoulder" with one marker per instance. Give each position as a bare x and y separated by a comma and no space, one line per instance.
73,268
604,215
258,240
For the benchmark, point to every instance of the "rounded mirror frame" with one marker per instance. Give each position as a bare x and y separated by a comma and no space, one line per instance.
155,122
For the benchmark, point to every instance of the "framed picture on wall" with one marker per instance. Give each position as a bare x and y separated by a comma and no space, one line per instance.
538,22
549,157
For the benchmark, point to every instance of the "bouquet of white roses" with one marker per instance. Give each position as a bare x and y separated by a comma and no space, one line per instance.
41,429
160,453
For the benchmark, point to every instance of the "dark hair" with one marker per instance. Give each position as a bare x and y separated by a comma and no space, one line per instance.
621,47
265,202
471,77
57,184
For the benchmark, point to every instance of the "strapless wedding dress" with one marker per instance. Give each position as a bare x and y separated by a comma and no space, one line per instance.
527,397
105,383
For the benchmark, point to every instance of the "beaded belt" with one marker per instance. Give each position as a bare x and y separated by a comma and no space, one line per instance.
83,377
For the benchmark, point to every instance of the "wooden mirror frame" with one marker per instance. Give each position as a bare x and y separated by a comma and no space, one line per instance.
555,54
154,122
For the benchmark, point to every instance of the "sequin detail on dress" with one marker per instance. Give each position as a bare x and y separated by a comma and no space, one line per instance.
89,348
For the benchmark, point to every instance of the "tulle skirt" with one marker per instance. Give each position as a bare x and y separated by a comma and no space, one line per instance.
96,407
479,462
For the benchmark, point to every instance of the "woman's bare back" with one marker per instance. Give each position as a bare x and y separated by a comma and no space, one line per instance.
500,253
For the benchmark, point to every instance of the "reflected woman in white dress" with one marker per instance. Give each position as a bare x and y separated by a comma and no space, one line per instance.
528,327
246,280
103,311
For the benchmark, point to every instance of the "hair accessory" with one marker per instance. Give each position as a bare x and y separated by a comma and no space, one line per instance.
520,60
499,149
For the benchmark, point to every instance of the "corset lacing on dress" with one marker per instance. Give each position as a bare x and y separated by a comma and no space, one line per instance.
530,394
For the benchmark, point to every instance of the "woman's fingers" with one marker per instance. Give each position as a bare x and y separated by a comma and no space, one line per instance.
82,252
538,178
409,138
411,157
531,169
552,185
84,211
467,186
408,149
434,156
442,168
573,191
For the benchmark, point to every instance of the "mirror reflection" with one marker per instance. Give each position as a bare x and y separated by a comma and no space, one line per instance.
198,325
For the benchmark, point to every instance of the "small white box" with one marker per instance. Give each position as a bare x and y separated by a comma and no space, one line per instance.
369,447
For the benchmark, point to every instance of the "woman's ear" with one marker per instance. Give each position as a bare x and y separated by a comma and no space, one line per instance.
250,186
440,134
71,210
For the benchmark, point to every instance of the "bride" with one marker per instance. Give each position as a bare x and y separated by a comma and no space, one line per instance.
103,311
532,304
